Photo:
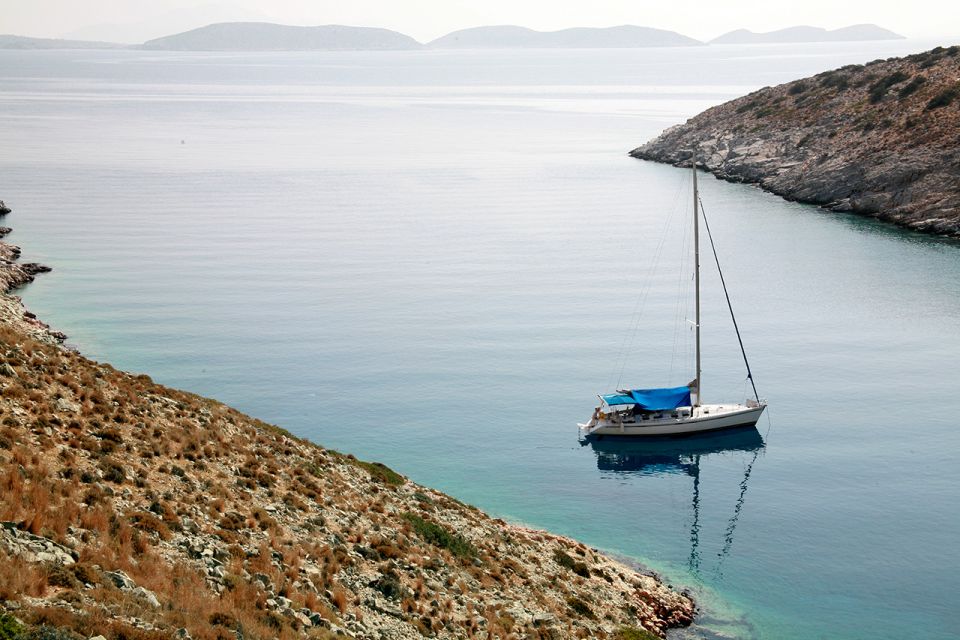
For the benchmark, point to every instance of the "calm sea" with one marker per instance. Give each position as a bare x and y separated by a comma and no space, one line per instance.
434,259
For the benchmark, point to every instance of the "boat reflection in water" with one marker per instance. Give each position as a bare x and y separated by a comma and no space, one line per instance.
683,455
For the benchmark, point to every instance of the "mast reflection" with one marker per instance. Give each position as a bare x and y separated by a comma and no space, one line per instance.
659,456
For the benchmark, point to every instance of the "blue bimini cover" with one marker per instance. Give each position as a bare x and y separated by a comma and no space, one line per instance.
652,399
618,398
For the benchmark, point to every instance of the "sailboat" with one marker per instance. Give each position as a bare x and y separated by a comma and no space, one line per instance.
672,411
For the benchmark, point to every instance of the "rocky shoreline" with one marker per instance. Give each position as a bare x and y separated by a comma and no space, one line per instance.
13,275
880,140
134,511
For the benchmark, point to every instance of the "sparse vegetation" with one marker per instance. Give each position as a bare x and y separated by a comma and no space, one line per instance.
381,472
634,633
436,535
877,139
944,98
9,629
564,560
878,90
911,87
835,80
580,607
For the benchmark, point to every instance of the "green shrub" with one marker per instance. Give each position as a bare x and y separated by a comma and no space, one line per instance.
879,88
381,472
51,633
911,87
567,562
944,98
634,633
835,80
61,576
422,497
9,628
580,607
798,87
112,471
436,535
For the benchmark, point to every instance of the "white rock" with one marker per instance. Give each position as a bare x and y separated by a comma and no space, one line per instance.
147,596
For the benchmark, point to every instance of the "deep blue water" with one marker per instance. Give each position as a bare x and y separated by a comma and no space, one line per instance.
433,259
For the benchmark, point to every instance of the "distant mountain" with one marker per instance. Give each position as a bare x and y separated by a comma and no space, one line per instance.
264,36
23,42
513,37
853,33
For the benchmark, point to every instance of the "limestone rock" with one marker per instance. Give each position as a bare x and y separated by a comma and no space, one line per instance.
33,548
881,140
121,580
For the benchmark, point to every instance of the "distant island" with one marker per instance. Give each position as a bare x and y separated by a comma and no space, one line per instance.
514,37
265,36
854,33
881,140
23,42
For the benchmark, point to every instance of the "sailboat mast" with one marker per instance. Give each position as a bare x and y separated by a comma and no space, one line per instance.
696,263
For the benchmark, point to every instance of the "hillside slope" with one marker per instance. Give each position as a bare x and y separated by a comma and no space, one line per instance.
881,139
135,511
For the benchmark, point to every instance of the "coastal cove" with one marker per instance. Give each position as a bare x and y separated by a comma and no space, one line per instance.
362,249
106,535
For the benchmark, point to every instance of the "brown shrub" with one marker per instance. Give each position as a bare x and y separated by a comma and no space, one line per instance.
145,521
340,600
20,578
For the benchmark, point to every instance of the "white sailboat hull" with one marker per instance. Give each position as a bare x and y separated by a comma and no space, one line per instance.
667,423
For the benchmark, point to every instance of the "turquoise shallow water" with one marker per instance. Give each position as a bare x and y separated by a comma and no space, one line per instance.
432,259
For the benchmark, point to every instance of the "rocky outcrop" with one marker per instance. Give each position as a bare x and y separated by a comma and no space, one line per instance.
156,513
14,275
33,548
881,139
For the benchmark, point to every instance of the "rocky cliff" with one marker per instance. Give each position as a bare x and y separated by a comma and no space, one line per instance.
134,511
881,139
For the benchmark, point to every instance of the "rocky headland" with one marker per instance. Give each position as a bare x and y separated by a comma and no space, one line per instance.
880,140
135,511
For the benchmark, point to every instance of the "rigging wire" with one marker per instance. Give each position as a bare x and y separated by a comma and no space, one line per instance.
681,308
630,335
729,304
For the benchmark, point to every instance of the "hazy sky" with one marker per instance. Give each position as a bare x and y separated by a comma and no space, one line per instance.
138,20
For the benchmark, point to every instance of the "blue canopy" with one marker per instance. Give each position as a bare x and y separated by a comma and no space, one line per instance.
652,399
617,398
